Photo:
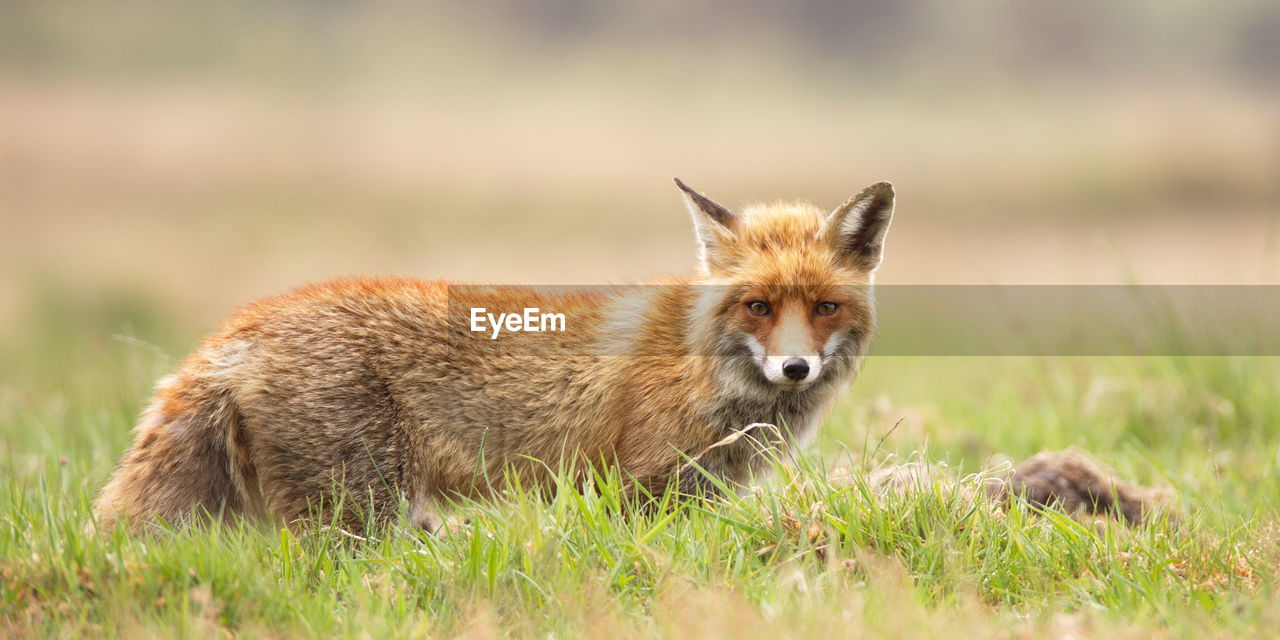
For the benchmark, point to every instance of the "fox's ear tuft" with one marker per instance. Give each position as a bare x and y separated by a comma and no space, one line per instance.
700,204
713,223
858,226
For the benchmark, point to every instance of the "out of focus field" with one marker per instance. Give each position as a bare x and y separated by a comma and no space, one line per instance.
160,164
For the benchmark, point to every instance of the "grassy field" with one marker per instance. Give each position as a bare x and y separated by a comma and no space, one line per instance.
814,552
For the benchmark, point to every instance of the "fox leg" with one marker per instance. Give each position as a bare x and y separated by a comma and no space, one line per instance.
427,514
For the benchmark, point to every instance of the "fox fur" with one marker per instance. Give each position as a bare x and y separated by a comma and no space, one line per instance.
357,390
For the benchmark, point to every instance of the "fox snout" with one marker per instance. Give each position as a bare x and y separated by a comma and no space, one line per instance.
796,369
791,370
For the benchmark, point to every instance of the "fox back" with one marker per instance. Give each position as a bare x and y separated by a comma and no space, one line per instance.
367,392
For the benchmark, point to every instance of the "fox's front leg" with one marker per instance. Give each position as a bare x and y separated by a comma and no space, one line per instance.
730,462
696,481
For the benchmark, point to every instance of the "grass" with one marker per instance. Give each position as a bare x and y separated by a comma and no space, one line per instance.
816,551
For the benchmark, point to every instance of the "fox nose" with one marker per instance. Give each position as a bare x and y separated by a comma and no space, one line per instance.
796,369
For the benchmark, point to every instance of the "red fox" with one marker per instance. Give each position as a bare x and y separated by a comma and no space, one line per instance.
373,389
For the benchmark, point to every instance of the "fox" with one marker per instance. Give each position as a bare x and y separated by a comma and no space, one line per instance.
365,400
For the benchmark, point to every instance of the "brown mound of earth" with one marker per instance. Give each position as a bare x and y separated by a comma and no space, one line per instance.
1070,480
1073,481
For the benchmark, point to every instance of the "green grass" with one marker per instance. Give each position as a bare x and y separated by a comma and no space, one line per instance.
813,552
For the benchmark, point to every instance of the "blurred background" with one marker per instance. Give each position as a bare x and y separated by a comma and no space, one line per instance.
162,162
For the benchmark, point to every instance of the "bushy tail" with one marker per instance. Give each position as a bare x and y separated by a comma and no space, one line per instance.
186,462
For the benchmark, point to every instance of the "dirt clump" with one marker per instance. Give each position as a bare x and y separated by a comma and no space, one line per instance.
1071,480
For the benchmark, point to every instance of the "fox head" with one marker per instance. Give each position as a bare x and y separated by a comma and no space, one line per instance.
786,289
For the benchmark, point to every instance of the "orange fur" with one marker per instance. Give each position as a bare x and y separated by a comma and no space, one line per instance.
375,390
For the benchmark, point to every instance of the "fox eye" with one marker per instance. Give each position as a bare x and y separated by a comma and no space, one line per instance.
826,308
758,308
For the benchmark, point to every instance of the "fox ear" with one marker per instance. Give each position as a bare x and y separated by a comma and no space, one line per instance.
857,227
713,223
